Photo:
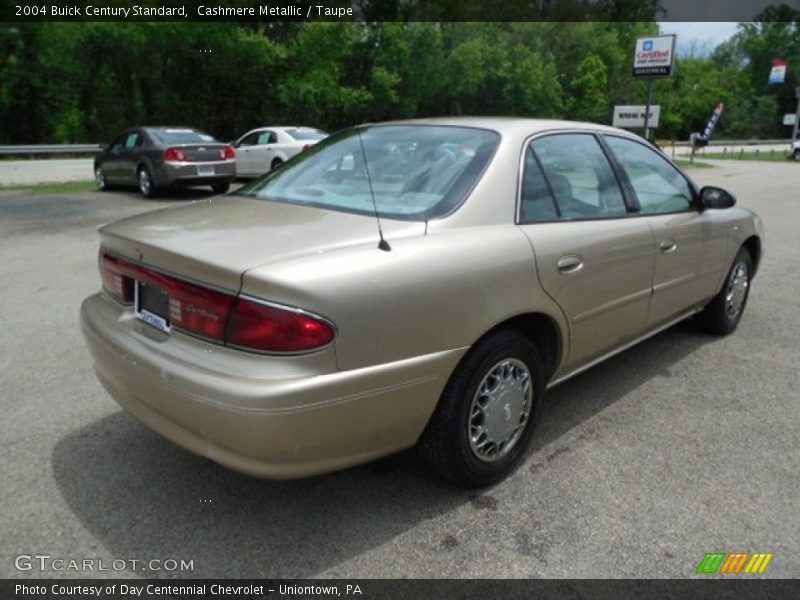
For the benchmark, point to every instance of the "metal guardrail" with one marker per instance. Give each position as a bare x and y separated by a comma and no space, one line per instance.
51,149
787,142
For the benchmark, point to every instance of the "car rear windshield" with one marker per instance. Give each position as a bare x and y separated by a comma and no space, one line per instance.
181,136
409,172
307,134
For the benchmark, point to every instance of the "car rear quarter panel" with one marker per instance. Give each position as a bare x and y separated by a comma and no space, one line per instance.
428,294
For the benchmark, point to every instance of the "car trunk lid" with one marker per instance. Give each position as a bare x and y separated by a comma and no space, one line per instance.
215,241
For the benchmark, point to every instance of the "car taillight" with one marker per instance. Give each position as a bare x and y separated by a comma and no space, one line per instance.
174,154
115,279
306,146
228,153
193,308
272,329
216,315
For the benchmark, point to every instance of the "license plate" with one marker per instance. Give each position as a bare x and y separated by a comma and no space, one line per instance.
152,306
205,170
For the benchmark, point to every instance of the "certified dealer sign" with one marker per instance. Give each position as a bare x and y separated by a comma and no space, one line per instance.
654,56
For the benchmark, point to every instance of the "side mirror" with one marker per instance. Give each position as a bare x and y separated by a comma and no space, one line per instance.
714,197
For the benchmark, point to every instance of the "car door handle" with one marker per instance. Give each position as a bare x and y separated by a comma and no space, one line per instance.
667,246
569,264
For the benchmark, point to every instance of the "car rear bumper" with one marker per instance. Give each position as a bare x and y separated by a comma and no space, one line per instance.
206,173
281,423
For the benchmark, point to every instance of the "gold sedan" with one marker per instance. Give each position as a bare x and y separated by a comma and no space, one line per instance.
410,283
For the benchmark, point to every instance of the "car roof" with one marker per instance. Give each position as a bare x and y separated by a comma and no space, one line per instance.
283,128
510,125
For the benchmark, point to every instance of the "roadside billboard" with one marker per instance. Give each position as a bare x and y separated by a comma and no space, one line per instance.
654,56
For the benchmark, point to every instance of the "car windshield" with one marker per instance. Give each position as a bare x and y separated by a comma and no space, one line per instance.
416,172
181,136
307,134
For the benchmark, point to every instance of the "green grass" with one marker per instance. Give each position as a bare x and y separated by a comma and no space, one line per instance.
50,188
775,155
684,162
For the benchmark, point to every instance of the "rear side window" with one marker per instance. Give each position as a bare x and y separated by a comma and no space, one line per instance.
573,173
134,140
267,137
659,187
536,201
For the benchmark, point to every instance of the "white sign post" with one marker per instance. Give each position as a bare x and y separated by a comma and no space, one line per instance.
634,116
653,57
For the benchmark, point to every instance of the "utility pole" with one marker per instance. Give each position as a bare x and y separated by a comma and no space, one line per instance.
796,116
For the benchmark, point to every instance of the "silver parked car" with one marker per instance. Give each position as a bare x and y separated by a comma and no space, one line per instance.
155,158
411,283
266,148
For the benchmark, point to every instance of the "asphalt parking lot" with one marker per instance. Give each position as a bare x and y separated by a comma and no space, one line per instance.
686,444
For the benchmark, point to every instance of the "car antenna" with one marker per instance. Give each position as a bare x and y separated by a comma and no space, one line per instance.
383,244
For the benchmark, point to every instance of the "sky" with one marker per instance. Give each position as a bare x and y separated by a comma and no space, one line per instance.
701,37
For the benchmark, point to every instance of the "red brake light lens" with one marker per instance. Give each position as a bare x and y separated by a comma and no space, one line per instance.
219,316
174,154
116,281
273,329
192,308
228,153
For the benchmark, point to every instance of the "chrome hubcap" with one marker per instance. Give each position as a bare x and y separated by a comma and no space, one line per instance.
500,410
99,178
736,291
144,182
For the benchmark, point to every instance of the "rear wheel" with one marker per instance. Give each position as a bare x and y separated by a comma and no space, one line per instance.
796,154
723,313
487,413
220,188
276,163
145,180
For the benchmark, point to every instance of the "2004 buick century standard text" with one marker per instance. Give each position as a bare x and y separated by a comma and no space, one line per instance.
276,332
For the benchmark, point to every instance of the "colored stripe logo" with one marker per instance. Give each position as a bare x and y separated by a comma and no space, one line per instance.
734,563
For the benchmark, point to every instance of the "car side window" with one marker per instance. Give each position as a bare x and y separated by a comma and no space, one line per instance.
536,201
250,139
659,187
577,177
118,143
134,140
267,137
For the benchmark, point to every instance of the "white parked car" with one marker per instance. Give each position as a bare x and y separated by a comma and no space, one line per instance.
263,149
796,150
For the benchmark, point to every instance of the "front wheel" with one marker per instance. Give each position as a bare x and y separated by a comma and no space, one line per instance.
100,179
796,154
487,413
723,313
221,188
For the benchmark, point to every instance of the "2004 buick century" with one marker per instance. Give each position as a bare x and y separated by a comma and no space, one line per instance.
418,282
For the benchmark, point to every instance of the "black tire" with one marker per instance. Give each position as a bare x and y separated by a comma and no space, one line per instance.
100,179
221,188
446,444
721,316
145,183
276,163
796,154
